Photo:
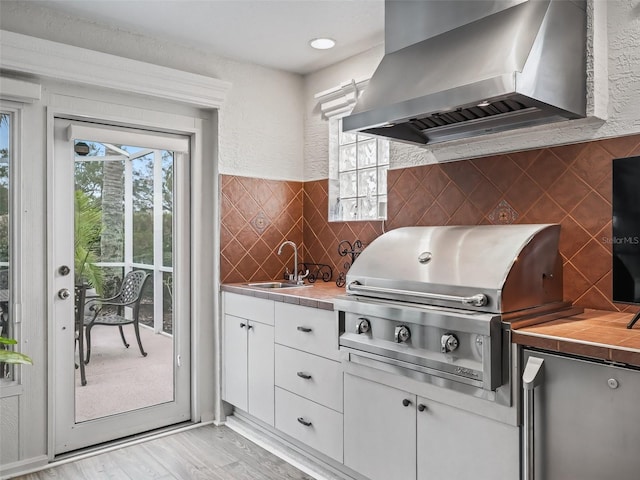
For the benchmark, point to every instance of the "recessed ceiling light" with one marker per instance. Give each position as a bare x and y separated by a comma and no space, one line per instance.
322,43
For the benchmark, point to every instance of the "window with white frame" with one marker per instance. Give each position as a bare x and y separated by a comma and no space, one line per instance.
358,167
7,149
358,163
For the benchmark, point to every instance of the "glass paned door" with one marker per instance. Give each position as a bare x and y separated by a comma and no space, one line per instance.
124,365
6,322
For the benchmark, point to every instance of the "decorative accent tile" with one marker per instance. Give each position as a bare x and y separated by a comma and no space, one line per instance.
503,214
260,222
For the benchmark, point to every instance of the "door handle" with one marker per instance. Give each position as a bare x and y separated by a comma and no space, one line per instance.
64,293
532,377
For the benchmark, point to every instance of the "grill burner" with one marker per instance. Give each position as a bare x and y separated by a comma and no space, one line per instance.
437,313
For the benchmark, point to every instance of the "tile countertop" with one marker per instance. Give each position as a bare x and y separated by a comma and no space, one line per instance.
593,333
319,295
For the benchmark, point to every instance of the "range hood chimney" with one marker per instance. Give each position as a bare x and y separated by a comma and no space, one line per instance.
461,68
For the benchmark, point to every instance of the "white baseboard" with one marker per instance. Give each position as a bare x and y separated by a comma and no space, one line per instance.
21,467
281,448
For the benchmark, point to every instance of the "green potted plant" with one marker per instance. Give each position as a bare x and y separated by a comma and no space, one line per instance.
9,356
88,228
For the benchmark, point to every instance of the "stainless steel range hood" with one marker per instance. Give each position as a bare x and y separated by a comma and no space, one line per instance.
461,68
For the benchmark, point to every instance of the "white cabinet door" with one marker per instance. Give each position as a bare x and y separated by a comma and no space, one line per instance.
379,430
454,443
235,361
260,375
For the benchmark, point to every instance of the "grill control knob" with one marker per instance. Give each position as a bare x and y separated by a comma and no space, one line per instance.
402,334
448,342
363,325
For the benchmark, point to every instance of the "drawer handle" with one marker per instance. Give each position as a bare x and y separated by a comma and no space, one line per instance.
304,329
304,422
306,376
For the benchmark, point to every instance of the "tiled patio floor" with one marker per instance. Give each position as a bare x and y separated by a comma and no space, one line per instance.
120,379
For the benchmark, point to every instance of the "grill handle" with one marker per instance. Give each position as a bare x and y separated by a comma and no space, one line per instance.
532,377
479,300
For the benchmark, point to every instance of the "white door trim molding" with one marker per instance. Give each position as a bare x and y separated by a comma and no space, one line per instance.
43,58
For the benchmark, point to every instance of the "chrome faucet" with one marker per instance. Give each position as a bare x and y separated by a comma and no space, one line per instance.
295,279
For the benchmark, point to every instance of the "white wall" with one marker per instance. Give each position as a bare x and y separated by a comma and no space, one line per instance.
614,44
261,122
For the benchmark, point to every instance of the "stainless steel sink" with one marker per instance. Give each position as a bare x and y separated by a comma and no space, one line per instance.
276,285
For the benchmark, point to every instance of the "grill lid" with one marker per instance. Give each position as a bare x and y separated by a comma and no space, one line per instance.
494,268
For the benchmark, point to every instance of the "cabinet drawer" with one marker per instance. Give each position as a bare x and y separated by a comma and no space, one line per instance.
325,383
251,308
308,329
324,433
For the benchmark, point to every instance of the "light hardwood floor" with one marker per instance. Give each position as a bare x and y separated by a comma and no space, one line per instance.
207,453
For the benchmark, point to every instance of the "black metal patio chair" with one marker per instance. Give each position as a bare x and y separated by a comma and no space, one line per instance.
99,311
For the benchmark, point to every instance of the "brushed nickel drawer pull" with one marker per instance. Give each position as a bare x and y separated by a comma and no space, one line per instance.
304,422
306,376
304,329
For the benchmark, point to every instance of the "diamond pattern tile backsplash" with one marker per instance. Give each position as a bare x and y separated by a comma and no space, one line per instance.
570,185
257,215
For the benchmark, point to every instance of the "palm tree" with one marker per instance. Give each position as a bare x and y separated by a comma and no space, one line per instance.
112,241
88,231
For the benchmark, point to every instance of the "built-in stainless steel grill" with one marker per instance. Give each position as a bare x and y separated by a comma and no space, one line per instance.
430,302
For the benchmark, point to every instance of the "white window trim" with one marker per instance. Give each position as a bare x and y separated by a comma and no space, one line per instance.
340,100
14,386
336,103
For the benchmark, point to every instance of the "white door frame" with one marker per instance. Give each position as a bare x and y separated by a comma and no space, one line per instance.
129,116
86,76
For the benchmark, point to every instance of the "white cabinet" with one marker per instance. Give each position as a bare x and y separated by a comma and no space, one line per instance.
379,430
248,356
390,433
309,397
454,443
235,361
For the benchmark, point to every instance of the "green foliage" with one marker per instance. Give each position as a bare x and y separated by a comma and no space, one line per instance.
88,229
9,356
